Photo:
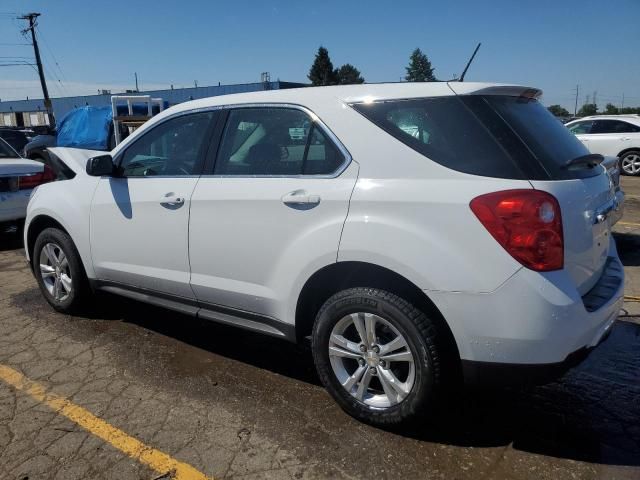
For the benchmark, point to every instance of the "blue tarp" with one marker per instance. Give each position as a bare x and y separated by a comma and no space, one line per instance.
85,127
90,127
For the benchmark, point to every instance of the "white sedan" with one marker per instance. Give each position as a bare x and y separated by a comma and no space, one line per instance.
18,178
611,135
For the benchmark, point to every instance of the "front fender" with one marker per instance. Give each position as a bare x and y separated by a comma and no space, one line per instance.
68,203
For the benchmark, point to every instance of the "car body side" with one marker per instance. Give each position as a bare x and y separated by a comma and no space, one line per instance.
445,252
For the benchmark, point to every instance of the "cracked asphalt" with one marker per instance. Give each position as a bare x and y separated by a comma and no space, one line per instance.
233,404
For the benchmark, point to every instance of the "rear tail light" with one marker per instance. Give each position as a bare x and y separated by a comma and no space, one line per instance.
528,225
37,179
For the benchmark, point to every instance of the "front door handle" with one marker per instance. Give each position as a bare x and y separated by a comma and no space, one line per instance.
300,197
172,200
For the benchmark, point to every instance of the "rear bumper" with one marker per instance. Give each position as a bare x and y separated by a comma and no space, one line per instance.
491,374
617,213
13,205
535,324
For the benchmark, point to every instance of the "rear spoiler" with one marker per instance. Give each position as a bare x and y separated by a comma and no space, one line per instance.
461,88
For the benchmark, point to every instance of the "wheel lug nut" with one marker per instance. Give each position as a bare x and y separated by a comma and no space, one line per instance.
376,348
363,348
372,370
361,362
383,363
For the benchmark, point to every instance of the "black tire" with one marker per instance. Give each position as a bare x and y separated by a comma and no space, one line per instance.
420,334
626,157
80,291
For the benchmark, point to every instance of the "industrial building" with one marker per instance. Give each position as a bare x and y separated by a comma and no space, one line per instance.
32,113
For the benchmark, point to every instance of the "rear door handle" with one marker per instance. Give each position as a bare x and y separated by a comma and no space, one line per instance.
172,199
300,197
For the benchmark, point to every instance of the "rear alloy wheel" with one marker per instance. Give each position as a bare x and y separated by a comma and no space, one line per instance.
630,163
59,271
377,355
371,359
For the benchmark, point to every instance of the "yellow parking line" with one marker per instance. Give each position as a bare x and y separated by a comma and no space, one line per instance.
631,224
157,460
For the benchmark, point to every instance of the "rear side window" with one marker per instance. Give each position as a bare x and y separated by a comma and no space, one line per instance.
444,130
613,126
275,141
493,136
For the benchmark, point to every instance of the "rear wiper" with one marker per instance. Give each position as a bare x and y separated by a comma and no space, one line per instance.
589,161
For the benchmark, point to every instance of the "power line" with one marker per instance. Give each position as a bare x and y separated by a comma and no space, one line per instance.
55,60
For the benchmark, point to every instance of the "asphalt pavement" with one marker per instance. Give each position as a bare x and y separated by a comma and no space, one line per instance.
130,391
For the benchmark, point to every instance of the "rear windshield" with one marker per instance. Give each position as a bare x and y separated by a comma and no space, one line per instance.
6,151
493,135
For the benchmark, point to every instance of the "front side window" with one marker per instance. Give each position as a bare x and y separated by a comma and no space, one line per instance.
580,128
175,147
275,141
614,126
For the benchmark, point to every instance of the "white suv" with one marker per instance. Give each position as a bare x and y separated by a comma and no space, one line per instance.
416,233
611,135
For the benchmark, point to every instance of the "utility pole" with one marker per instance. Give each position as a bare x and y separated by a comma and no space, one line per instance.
595,92
31,17
622,105
575,109
135,74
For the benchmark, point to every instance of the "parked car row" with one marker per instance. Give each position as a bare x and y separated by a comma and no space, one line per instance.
418,233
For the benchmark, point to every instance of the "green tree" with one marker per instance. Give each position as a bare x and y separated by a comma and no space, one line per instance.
611,109
347,74
588,109
322,72
558,111
419,69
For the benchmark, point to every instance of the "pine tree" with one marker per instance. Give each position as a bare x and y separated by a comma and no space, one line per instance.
419,69
321,72
347,74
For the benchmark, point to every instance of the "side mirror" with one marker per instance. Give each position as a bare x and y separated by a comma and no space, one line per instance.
100,166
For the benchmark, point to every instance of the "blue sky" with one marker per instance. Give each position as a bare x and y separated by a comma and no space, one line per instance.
553,45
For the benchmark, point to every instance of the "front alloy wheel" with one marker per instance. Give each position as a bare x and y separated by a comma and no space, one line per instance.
59,271
55,272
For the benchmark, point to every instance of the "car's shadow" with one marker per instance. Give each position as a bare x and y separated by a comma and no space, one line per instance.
628,248
10,237
591,414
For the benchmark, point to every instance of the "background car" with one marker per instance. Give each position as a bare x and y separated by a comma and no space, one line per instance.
18,178
15,137
612,135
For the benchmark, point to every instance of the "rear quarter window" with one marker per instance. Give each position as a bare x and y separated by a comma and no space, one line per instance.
446,131
493,136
